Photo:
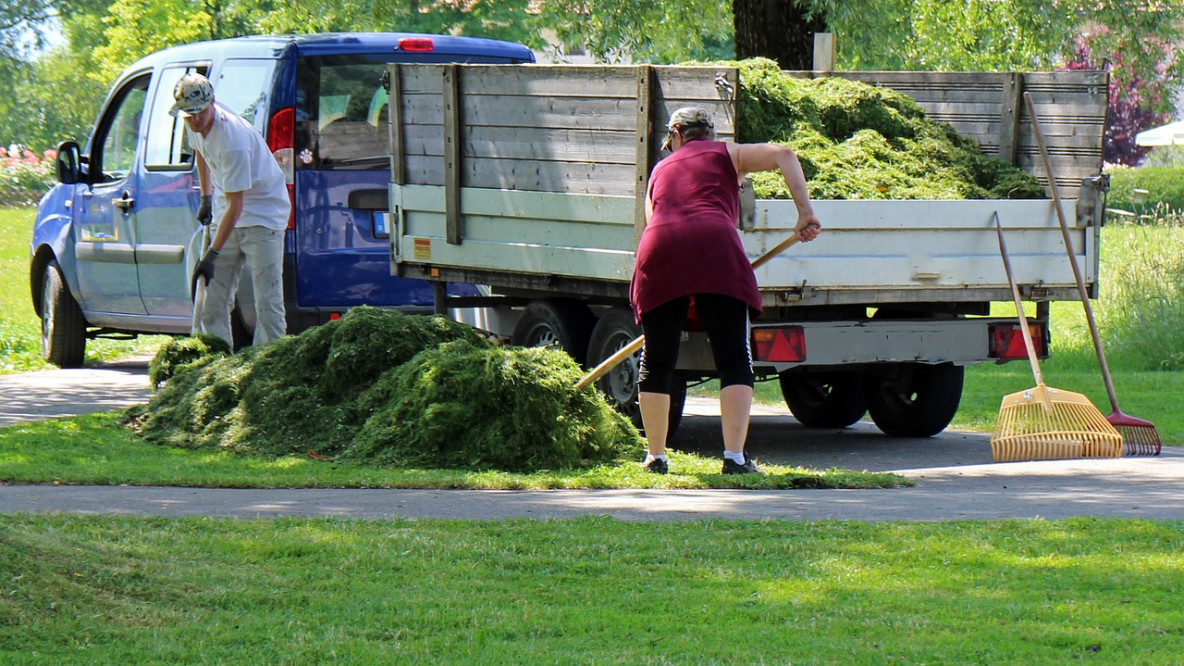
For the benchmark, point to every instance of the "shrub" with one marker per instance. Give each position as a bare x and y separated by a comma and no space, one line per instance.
1164,185
25,177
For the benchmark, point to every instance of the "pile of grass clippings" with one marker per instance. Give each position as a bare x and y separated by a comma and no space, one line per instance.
508,408
858,141
393,389
180,353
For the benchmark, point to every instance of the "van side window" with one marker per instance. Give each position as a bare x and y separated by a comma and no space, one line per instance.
341,113
119,135
168,147
242,86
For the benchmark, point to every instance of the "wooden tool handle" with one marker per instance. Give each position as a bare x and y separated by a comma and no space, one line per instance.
1019,305
1056,198
634,346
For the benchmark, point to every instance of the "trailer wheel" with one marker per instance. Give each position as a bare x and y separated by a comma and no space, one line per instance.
566,325
823,401
615,330
63,328
916,400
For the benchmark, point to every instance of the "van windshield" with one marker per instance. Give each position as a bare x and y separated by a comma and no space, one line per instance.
341,113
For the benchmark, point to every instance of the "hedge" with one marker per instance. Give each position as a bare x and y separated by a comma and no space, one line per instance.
1164,185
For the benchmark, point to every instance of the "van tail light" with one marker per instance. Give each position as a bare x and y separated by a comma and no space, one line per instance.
416,44
786,344
1007,341
281,133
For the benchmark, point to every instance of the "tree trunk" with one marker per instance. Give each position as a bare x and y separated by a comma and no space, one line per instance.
776,29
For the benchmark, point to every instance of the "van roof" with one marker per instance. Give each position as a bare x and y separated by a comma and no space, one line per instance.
264,46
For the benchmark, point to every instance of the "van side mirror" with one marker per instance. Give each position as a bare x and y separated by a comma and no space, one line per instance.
70,163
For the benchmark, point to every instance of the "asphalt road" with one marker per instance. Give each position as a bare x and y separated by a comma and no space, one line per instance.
955,478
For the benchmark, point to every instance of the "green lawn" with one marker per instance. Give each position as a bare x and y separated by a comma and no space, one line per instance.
112,590
78,589
95,449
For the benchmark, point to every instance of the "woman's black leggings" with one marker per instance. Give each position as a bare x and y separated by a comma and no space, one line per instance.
726,321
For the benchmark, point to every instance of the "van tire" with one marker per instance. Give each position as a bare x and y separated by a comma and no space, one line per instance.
63,328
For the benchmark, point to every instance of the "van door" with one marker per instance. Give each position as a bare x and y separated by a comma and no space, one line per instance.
342,173
167,232
105,209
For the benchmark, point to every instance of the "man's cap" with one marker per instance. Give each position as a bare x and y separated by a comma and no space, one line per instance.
684,117
192,94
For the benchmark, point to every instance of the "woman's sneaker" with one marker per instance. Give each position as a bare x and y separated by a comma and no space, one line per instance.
749,467
657,466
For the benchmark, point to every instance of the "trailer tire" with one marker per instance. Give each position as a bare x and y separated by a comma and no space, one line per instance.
919,400
823,401
616,329
556,323
63,327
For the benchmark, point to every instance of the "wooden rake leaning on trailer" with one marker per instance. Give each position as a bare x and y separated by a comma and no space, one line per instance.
1139,436
1044,423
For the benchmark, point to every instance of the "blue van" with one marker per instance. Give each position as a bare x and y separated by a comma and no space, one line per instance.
115,242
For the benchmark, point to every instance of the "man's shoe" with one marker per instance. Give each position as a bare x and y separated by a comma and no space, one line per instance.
749,467
657,466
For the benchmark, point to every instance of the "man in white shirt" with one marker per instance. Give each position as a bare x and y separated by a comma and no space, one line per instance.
252,200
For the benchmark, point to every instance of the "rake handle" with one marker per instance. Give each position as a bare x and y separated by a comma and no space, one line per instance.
633,347
199,293
1019,305
1056,198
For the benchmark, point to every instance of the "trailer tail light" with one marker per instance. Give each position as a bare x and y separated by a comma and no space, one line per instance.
779,345
1007,341
281,133
416,44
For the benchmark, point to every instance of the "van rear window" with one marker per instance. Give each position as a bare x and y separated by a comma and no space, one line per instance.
341,113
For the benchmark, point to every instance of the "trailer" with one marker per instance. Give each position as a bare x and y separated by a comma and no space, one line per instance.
531,180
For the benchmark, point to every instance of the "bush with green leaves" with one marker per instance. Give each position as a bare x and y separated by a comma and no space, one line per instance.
1163,184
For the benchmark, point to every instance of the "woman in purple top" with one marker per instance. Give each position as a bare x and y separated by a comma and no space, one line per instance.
691,249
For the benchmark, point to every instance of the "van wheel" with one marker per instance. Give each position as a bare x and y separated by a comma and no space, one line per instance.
63,328
834,401
558,323
916,400
615,330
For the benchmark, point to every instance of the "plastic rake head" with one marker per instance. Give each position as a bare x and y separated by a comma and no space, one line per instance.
1139,437
1048,424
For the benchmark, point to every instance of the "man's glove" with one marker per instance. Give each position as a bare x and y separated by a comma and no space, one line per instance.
205,267
204,212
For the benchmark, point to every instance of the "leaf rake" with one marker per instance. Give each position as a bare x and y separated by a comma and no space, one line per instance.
1044,423
1139,437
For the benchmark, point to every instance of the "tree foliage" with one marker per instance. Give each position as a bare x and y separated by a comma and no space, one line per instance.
1130,37
135,28
1013,35
492,19
667,32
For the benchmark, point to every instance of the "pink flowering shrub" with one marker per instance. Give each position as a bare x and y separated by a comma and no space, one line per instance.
25,176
